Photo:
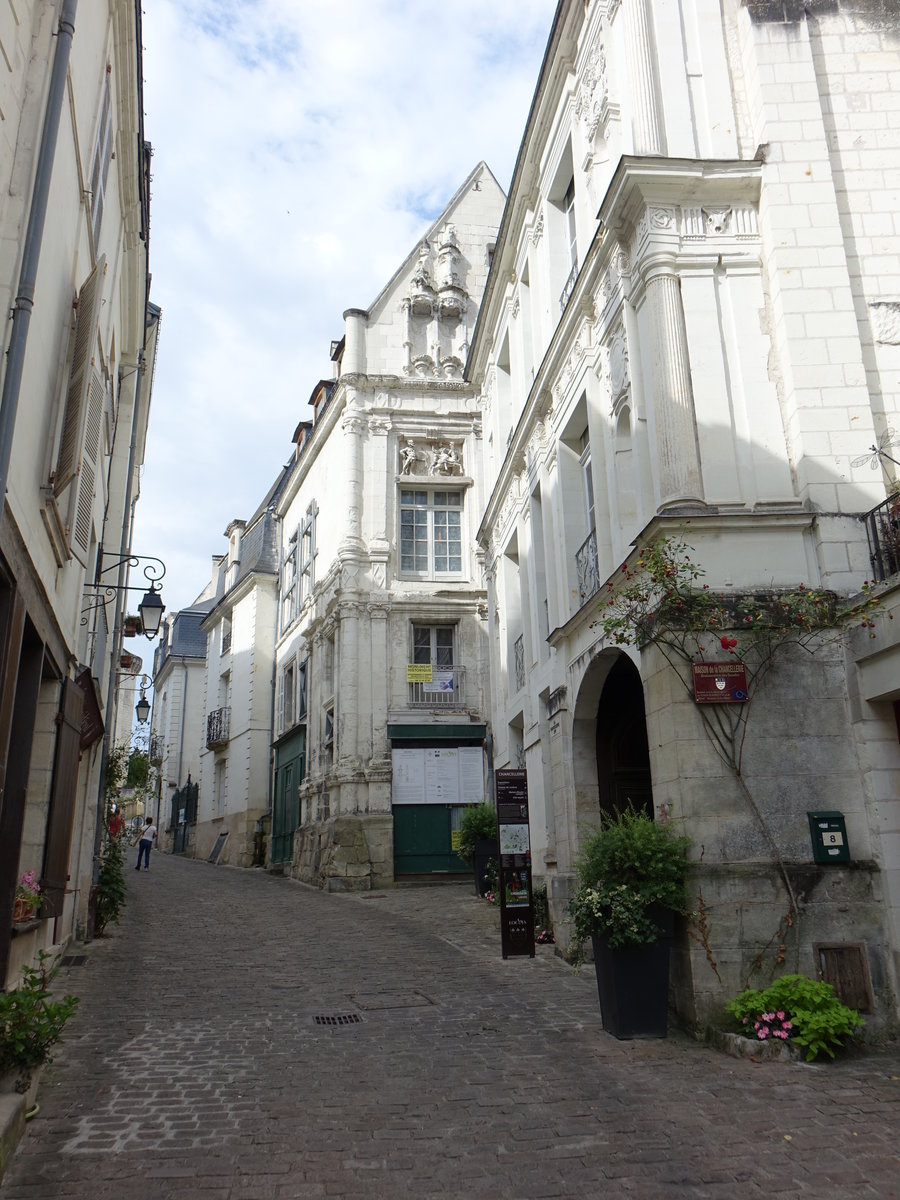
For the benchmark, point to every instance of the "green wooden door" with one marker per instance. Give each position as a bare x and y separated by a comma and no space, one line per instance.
422,840
289,770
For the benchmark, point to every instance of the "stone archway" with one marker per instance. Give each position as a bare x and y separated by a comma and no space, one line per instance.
611,758
623,754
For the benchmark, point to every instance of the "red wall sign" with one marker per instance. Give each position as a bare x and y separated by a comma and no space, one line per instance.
720,682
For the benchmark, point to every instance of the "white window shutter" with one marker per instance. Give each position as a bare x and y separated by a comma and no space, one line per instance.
279,704
87,476
76,412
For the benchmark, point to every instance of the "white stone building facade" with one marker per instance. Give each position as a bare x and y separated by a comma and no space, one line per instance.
76,374
687,331
236,734
381,658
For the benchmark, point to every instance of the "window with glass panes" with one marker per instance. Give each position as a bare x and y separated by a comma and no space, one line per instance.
433,644
430,532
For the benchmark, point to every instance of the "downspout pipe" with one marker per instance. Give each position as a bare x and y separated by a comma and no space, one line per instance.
34,236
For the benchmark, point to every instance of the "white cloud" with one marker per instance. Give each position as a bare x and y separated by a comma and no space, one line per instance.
300,149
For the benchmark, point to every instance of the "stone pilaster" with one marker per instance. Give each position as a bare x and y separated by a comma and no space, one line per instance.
673,398
647,131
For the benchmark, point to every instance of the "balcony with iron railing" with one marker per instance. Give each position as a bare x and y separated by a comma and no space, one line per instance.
883,532
567,287
445,689
156,750
218,727
587,568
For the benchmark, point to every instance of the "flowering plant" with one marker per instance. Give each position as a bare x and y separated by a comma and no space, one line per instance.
631,867
805,1010
770,1024
28,889
545,938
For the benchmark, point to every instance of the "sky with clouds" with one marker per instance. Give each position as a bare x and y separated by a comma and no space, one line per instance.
300,150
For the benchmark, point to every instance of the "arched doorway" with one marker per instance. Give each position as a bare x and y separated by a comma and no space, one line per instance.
623,755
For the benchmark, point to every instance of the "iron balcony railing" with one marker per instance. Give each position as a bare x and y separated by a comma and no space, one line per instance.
883,532
218,726
567,289
588,568
156,750
444,690
519,661
226,641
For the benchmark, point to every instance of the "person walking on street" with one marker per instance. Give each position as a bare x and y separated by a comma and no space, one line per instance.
148,833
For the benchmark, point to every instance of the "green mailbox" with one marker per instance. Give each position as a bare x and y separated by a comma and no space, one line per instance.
829,837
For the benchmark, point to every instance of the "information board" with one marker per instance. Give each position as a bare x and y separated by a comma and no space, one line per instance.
438,775
719,682
516,911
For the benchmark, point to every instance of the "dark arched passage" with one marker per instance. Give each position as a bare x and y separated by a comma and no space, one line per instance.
623,756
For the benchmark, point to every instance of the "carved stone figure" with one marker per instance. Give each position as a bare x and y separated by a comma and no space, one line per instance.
407,458
447,460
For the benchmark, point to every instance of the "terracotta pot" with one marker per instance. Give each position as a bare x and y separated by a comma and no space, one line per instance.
23,910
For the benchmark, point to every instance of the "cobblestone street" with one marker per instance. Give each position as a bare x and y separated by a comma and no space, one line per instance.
244,1038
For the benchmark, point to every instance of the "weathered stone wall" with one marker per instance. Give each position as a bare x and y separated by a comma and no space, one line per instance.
346,854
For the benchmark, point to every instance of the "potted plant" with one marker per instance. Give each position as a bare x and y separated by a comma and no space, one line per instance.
30,1024
478,843
631,883
28,897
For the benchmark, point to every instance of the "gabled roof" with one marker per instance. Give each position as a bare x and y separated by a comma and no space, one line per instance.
434,228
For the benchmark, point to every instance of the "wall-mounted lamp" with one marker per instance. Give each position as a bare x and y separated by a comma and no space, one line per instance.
151,608
142,708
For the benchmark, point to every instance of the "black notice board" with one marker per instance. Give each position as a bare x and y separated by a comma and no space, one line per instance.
516,911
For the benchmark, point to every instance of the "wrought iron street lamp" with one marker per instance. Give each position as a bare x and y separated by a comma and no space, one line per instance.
142,708
151,608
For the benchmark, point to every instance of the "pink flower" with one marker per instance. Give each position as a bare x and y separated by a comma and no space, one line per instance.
780,1016
763,1033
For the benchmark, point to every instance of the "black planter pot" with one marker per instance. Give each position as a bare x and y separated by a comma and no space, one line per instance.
633,983
485,850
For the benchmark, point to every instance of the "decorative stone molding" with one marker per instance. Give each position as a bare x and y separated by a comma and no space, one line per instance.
698,223
617,364
591,104
538,230
381,426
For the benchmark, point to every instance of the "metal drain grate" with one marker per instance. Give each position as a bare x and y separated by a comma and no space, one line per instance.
337,1019
73,960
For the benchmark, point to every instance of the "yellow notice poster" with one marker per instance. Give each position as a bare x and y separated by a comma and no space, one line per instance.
418,672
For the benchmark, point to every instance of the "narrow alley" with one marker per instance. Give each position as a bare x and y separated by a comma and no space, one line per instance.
241,1037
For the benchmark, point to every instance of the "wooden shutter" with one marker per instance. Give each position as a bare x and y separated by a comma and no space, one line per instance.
70,447
87,476
62,800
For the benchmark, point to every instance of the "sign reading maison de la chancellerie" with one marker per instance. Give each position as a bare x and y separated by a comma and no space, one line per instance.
516,912
719,682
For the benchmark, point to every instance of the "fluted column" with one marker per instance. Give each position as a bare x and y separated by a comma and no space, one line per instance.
353,426
647,129
673,397
347,684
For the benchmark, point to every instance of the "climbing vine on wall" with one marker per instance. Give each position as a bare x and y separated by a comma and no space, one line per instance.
659,598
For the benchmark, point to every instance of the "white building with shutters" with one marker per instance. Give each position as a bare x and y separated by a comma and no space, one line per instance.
381,654
76,375
690,328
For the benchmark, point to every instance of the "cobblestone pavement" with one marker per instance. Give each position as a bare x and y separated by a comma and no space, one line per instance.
242,1037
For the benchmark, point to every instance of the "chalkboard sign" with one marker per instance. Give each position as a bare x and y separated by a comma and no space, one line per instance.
516,912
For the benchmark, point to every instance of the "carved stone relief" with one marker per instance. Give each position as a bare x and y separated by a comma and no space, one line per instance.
592,95
430,458
618,364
